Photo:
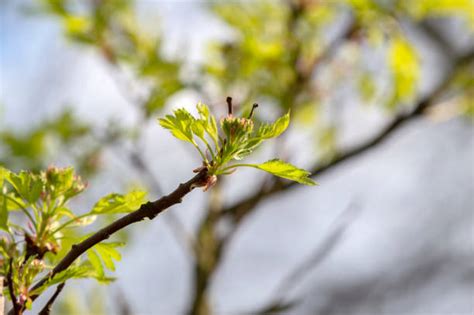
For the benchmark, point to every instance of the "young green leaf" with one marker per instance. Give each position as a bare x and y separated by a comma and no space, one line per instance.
27,185
3,214
108,253
95,262
267,131
236,140
3,174
285,170
179,124
208,121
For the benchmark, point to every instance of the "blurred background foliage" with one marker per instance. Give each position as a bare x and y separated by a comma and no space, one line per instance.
296,55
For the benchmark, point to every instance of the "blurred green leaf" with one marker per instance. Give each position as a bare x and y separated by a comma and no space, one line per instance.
404,63
108,253
95,262
3,215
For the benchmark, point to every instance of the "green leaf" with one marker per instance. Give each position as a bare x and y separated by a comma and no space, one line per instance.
208,121
117,203
267,131
179,124
95,262
13,202
4,214
3,174
28,185
108,253
285,170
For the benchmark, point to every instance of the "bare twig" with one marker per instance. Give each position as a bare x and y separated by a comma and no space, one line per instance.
148,210
332,239
49,305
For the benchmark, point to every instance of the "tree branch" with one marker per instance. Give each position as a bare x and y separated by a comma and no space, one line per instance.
331,240
49,305
242,208
148,210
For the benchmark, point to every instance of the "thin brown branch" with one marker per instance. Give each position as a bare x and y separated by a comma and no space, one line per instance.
49,305
177,228
314,259
148,210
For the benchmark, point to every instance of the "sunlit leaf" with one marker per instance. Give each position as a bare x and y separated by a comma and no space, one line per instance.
3,214
285,170
108,253
95,262
179,124
267,131
27,184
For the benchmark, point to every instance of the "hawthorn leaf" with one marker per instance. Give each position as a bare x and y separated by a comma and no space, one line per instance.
285,170
28,185
179,124
208,121
96,263
3,174
267,131
13,202
108,253
4,214
273,130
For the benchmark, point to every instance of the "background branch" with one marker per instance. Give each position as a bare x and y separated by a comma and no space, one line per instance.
49,305
241,209
315,258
